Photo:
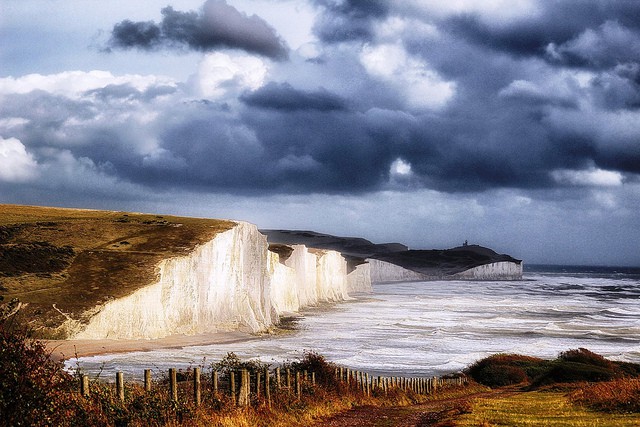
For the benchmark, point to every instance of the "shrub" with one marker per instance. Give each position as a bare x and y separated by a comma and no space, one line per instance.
622,395
579,365
232,363
571,366
504,369
314,362
32,386
584,356
572,372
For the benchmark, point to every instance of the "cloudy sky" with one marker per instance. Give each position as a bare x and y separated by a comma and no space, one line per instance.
514,124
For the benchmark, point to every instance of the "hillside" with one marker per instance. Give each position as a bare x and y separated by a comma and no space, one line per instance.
446,262
351,246
64,262
430,263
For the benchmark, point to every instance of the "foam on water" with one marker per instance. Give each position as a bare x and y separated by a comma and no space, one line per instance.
432,328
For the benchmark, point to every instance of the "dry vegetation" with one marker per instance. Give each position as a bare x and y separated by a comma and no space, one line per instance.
552,409
64,262
578,388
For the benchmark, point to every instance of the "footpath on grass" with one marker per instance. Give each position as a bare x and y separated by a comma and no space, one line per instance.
510,405
438,412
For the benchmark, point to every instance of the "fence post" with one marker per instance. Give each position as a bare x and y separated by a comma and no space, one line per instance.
147,380
313,379
258,383
245,387
278,382
366,378
120,386
232,386
435,384
214,380
84,386
298,385
173,384
196,386
288,378
267,390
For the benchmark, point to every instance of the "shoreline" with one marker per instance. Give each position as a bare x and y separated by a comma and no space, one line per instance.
61,350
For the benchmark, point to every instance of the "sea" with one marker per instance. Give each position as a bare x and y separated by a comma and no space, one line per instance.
436,327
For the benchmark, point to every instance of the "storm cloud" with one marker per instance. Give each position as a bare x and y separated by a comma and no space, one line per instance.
461,103
349,20
584,33
499,109
217,25
285,97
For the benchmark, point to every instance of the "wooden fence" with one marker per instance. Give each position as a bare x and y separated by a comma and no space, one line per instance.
241,385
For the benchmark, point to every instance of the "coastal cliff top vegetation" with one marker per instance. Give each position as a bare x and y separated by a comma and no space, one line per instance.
61,263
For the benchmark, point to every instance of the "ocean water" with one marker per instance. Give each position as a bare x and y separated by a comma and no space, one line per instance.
439,327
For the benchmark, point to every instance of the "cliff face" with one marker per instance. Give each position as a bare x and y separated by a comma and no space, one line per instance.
503,270
229,283
382,271
393,262
359,280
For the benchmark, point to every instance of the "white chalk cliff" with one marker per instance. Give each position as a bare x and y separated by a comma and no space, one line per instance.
382,271
359,280
230,283
502,270
233,282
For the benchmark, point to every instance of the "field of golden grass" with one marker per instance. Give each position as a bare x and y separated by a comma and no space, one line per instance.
540,408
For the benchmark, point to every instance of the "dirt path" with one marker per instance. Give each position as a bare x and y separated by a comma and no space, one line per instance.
435,413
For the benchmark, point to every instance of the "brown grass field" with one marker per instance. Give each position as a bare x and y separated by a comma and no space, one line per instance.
64,262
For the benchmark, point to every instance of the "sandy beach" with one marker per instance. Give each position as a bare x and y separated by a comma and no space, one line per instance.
69,349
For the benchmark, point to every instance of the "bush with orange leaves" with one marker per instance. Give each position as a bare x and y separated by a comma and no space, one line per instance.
622,395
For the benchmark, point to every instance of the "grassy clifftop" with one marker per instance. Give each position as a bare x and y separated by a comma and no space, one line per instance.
65,262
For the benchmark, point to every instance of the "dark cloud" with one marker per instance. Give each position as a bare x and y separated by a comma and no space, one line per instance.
520,110
349,20
284,97
581,33
607,46
128,34
217,25
330,151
